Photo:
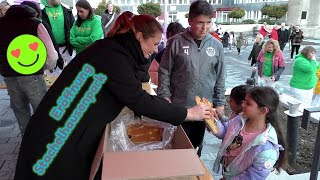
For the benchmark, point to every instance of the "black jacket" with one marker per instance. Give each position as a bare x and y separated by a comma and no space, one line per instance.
255,52
18,20
225,39
296,37
119,59
283,36
68,23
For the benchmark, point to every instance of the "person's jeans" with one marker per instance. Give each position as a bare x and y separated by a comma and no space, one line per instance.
22,91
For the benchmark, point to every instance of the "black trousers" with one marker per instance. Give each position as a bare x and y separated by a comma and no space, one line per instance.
295,47
195,131
238,50
282,45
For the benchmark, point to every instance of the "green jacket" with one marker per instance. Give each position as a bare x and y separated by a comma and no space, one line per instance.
304,73
89,31
239,41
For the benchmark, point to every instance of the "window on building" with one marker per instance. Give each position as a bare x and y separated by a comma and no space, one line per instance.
185,1
304,15
172,16
222,16
180,2
123,2
219,1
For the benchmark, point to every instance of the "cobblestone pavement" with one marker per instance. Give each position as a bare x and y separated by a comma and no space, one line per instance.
238,70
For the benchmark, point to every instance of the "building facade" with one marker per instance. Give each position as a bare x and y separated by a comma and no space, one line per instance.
303,12
177,9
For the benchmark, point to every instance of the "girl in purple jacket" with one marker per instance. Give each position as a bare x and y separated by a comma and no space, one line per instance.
253,144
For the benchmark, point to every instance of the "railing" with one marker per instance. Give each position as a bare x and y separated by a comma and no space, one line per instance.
316,152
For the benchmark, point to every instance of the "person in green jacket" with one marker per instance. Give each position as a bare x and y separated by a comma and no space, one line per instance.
87,28
239,43
304,76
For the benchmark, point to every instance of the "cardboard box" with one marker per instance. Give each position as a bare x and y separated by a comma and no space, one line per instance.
180,163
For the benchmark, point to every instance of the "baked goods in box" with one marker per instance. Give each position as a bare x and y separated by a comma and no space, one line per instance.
144,133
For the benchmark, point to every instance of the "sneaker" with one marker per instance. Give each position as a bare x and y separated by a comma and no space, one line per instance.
291,59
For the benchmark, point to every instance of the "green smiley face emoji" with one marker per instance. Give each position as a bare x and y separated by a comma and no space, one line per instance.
26,54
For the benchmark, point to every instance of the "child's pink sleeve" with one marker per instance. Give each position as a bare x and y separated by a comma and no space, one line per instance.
52,55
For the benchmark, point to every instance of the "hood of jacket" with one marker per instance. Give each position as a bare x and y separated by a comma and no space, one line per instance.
129,42
20,11
269,134
301,56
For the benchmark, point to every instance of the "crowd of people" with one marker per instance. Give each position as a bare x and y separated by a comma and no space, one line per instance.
124,48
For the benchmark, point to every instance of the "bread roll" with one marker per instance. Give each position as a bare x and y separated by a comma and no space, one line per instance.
210,122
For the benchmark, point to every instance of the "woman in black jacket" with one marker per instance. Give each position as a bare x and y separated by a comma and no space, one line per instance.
257,46
64,132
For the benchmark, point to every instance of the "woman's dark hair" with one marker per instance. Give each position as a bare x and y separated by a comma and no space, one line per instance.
267,97
143,23
200,7
85,5
306,50
34,6
238,93
173,29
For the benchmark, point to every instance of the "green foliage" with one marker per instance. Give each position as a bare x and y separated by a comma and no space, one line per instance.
150,8
237,13
116,9
275,11
269,21
225,23
248,21
266,9
102,6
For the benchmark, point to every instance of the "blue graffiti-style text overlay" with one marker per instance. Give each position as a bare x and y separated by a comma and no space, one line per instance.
69,93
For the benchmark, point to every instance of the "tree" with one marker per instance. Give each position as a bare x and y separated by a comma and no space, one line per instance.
275,11
150,8
116,9
237,13
102,6
266,9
